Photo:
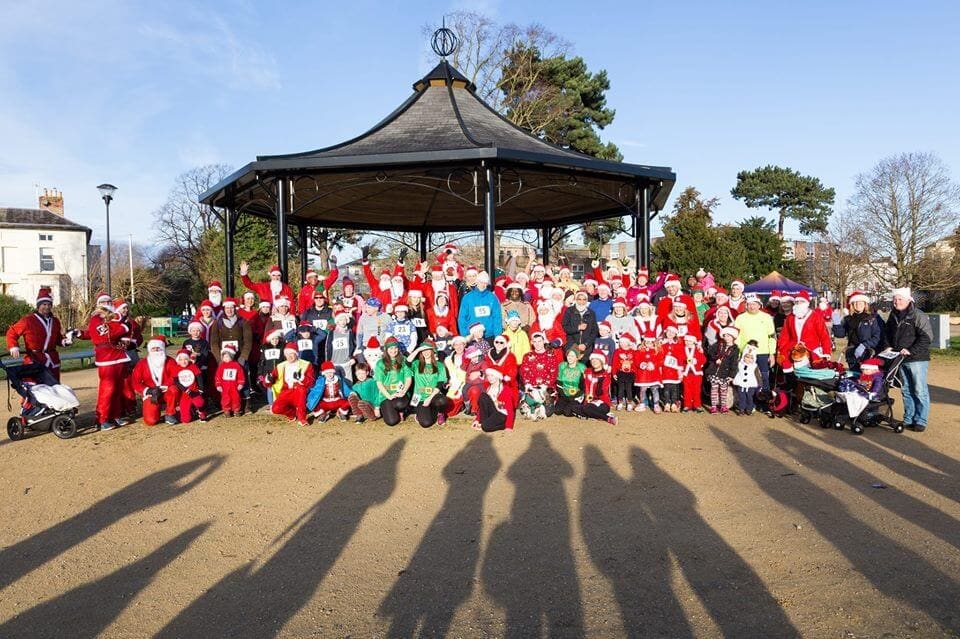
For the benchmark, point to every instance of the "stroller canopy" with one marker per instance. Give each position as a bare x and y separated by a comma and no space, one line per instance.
774,281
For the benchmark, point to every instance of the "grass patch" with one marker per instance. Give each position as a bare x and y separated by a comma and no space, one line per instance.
952,352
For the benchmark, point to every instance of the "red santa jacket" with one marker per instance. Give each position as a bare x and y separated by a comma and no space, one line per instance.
623,361
449,320
810,331
647,366
506,403
385,297
264,292
672,361
553,332
596,386
305,298
693,361
144,378
40,339
648,324
105,336
229,374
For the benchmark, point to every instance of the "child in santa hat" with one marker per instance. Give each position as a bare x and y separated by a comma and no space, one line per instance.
647,373
187,380
474,364
329,394
596,391
623,372
671,368
271,354
200,356
605,343
620,322
693,362
721,368
230,380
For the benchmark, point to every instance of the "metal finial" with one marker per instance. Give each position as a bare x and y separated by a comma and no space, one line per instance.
444,41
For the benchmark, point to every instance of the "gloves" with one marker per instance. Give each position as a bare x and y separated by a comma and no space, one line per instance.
365,253
333,260
859,351
403,254
556,343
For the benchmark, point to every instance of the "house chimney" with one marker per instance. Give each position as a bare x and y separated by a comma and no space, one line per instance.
52,200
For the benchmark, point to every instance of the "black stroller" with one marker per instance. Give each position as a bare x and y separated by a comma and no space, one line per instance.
825,399
44,405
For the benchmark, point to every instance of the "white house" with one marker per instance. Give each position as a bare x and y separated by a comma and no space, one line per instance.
40,247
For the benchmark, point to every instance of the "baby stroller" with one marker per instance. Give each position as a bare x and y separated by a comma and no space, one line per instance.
44,405
852,410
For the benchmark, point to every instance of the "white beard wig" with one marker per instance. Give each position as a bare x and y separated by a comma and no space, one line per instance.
215,296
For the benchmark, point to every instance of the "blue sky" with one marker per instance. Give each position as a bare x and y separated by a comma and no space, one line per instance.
135,93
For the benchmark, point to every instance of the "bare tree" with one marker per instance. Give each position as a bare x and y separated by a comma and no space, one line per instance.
182,221
903,204
847,252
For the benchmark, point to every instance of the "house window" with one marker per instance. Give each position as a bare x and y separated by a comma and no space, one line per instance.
46,260
576,270
46,237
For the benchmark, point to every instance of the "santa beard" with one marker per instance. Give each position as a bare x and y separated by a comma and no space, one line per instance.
156,361
384,284
801,310
216,298
546,319
396,289
275,287
438,285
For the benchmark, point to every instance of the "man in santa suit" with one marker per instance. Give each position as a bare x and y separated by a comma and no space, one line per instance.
349,299
152,380
803,326
389,287
305,299
106,331
547,322
438,283
270,290
41,334
682,319
672,287
215,295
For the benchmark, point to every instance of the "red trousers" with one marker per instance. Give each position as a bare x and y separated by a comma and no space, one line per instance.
110,392
151,410
188,404
230,396
691,391
342,406
292,402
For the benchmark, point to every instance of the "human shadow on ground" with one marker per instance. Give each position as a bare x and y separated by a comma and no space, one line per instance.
898,502
87,610
440,575
884,450
891,567
632,529
943,395
164,485
528,568
257,601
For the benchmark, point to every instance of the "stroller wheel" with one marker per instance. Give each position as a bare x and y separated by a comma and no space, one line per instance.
804,417
14,429
64,427
898,427
838,425
857,428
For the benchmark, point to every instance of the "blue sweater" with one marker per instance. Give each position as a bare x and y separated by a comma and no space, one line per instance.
483,307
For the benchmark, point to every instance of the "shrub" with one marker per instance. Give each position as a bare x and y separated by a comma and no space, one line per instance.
11,310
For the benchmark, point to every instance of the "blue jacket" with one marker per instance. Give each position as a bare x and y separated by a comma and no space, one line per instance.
481,306
860,328
316,393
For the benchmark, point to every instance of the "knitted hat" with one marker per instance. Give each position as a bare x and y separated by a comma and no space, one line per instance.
44,296
903,291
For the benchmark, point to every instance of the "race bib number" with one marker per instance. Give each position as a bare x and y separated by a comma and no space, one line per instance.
288,324
186,378
670,361
482,311
401,330
103,330
231,342
682,330
319,323
341,343
419,323
271,353
230,375
305,344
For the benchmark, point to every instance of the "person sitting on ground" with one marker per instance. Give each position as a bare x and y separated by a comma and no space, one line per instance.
394,379
365,397
329,395
495,407
429,402
569,383
596,391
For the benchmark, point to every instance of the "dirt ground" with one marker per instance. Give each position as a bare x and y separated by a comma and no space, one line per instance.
671,525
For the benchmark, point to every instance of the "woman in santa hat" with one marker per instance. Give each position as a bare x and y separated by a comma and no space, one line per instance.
596,400
441,314
496,409
502,357
863,329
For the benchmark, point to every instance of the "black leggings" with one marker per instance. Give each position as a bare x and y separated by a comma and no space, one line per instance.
491,420
565,405
391,410
592,411
624,388
671,393
427,415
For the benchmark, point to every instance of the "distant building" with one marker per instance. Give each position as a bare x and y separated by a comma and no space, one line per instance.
40,247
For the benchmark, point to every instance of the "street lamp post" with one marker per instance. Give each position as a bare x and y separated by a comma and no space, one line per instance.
106,192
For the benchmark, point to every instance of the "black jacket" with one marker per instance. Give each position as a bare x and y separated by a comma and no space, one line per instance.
722,360
911,330
570,323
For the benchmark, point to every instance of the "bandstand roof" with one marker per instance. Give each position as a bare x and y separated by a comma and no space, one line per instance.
422,169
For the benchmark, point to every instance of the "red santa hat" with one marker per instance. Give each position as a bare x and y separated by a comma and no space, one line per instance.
774,295
494,371
44,296
119,304
649,335
347,282
292,347
215,286
450,248
471,269
504,337
564,269
786,297
691,337
274,270
620,302
328,367
104,300
730,330
157,341
283,300
629,337
735,282
339,310
204,304
401,307
671,327
605,324
539,267
229,302
310,273
672,278
643,272
539,334
229,349
414,292
873,363
385,273
183,353
194,324
250,294
436,269
265,304
515,285
589,281
598,355
643,300
373,342
802,297
857,296
603,286
277,332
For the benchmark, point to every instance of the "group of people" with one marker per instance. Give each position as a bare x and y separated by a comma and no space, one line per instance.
447,339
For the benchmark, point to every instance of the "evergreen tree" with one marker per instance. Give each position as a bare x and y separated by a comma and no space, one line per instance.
763,250
798,197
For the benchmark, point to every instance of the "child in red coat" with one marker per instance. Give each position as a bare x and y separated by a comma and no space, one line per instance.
229,382
671,368
647,372
623,371
187,379
693,361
